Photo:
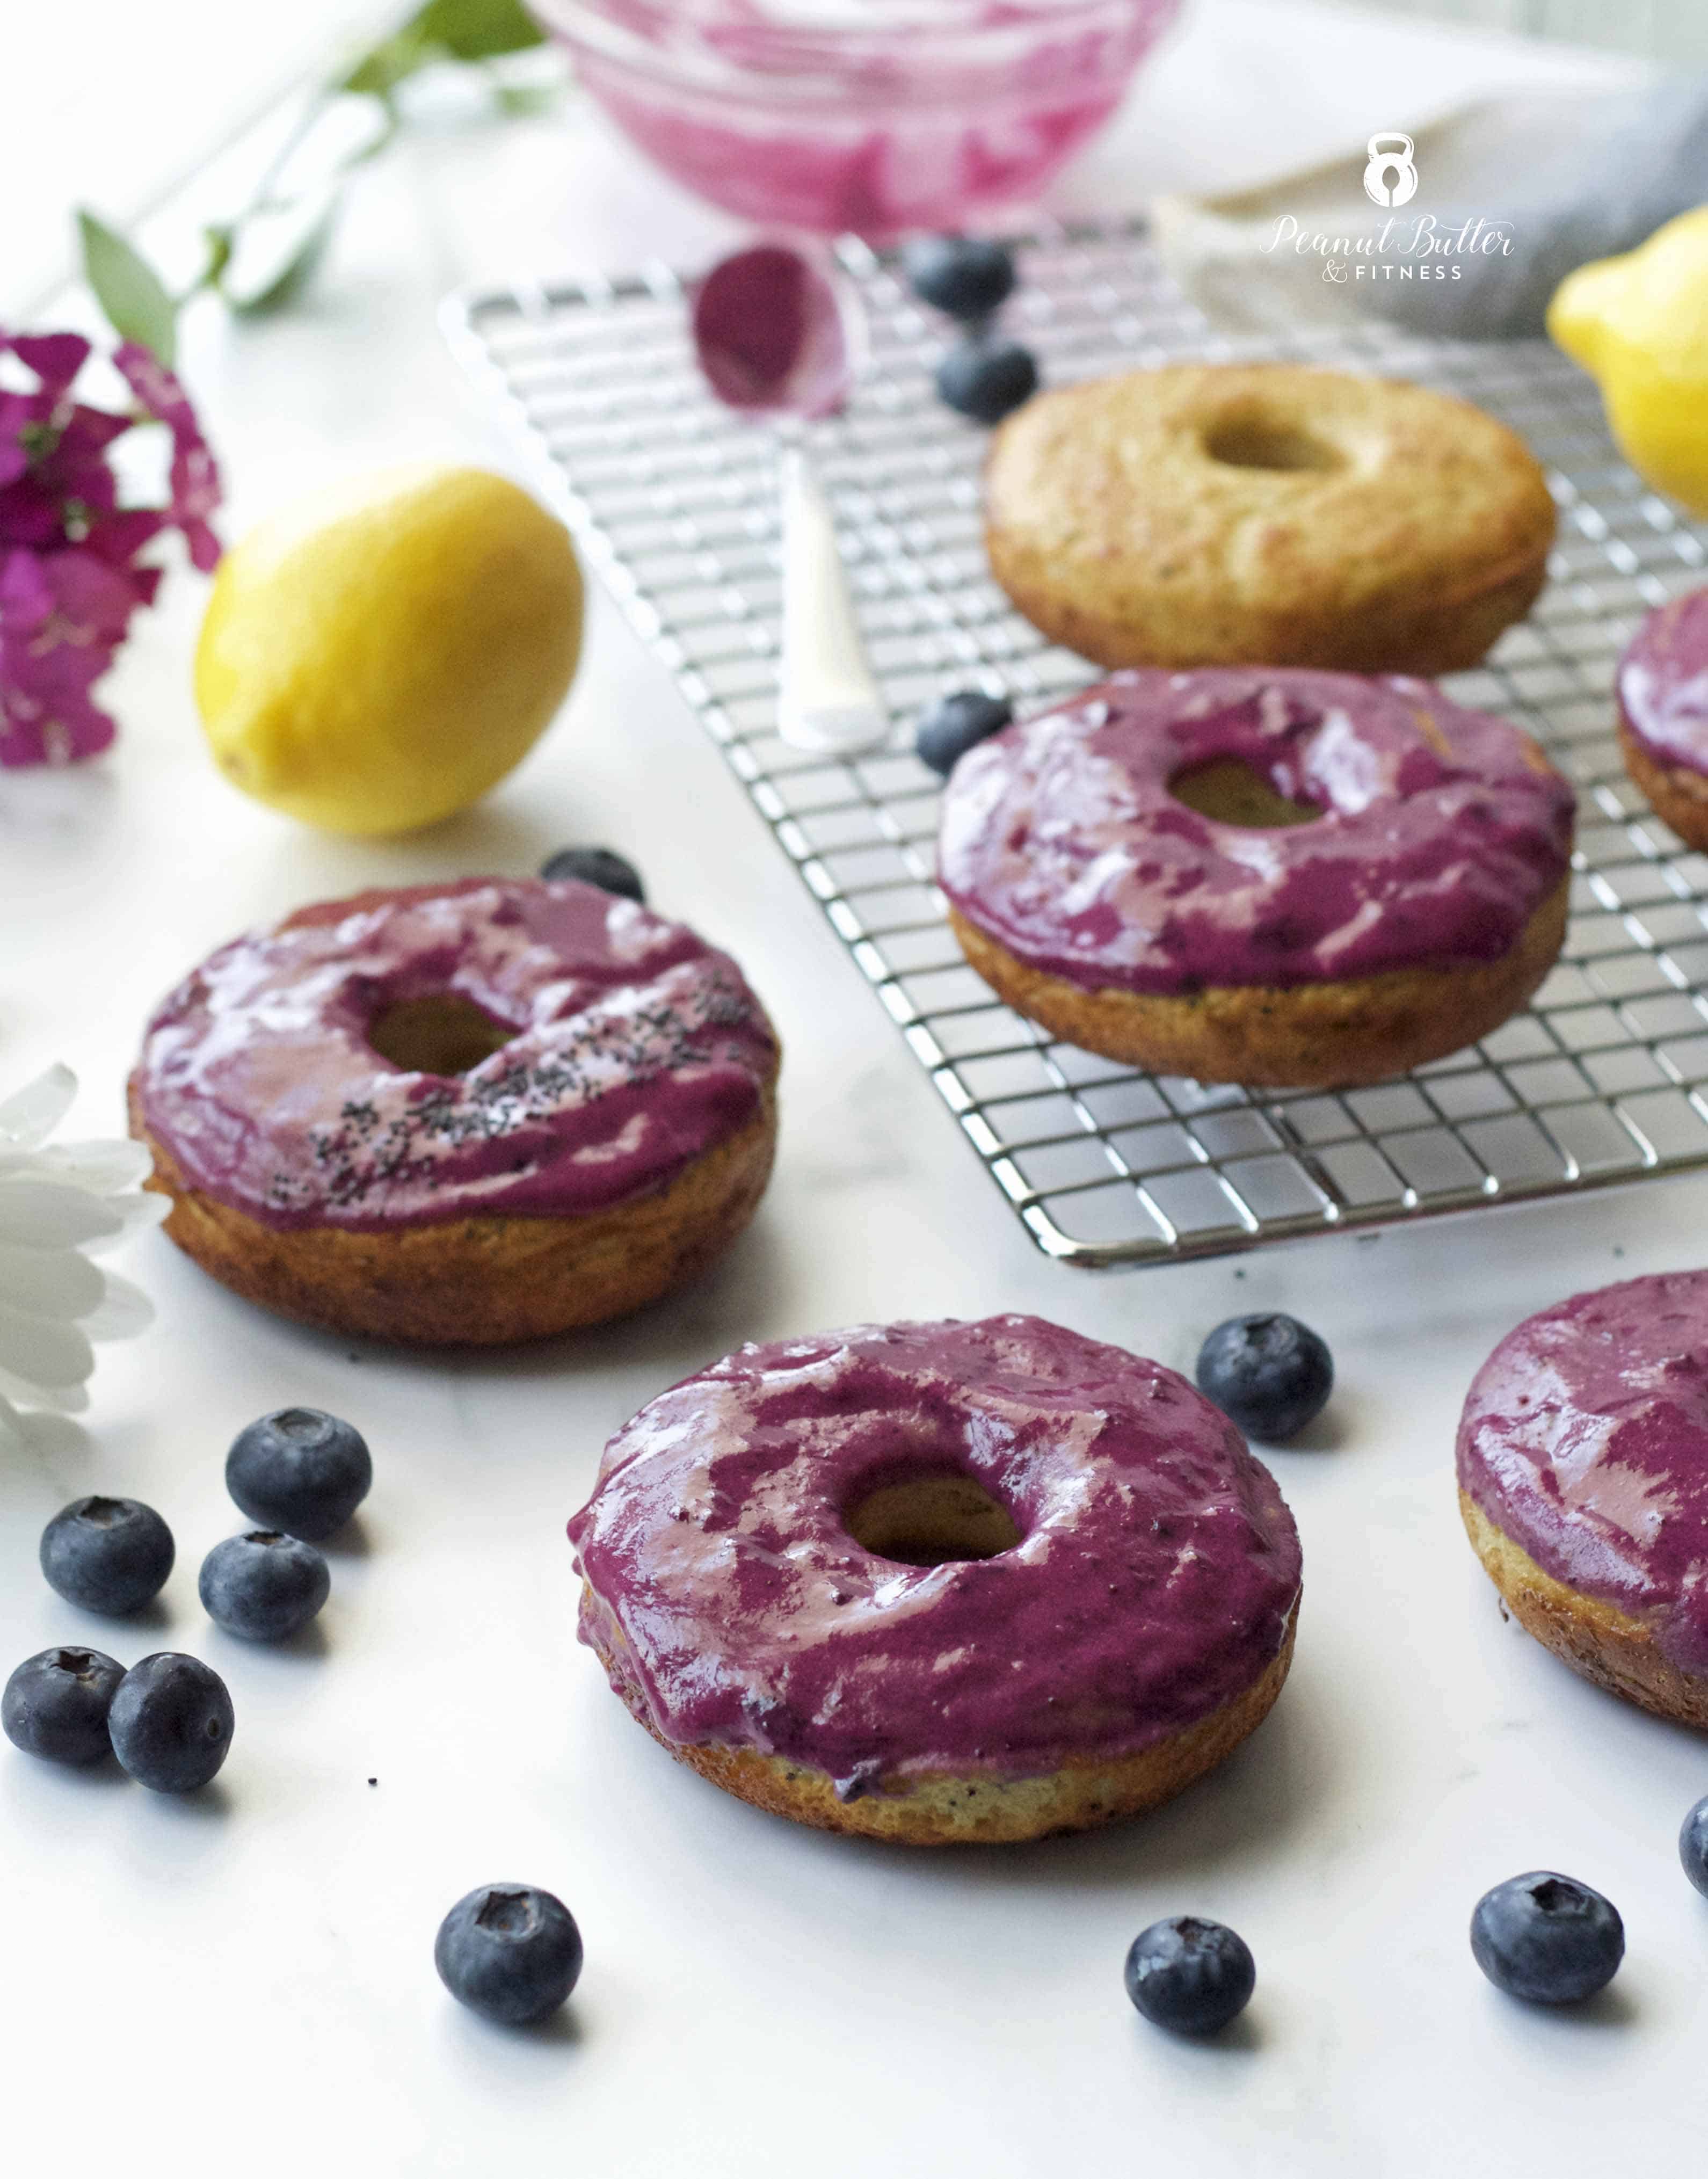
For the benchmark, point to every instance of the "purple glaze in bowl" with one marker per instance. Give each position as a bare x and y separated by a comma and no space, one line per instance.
1153,1583
873,117
1584,1438
1443,831
633,1048
1662,683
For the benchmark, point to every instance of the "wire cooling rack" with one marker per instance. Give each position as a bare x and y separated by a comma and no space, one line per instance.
1603,1079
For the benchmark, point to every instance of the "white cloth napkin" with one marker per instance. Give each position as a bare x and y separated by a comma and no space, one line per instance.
1497,203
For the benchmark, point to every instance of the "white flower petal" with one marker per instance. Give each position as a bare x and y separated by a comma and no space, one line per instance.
11,1424
104,1167
31,1114
43,1352
48,1282
121,1312
48,1213
135,1213
64,1399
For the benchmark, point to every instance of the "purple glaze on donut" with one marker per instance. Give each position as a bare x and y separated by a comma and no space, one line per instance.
1584,1438
637,1047
1439,840
1663,682
1158,1566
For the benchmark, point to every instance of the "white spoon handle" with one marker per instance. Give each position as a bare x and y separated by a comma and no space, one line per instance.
827,700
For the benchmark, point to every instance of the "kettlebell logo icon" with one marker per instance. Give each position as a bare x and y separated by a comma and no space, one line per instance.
1390,179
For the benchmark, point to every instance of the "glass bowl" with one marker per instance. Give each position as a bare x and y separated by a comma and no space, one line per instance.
874,116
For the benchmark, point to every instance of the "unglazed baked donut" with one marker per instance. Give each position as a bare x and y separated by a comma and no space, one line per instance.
1583,1467
480,1111
1662,688
1261,514
1260,876
939,1583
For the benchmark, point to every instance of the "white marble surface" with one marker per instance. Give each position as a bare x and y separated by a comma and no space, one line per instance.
243,1979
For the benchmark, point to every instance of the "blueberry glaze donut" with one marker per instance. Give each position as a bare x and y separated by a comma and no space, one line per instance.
1259,874
480,1111
1583,1469
1221,514
940,1582
1662,688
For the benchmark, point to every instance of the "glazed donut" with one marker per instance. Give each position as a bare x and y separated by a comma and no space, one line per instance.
1208,514
1260,876
1583,1470
1662,688
474,1112
940,1582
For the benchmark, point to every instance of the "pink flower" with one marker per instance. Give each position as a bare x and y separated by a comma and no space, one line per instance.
69,574
196,490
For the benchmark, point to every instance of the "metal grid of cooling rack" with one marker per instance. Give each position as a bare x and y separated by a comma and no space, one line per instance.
1603,1079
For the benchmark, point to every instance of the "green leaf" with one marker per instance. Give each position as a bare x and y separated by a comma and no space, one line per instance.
220,241
454,30
276,257
477,29
128,288
379,72
525,99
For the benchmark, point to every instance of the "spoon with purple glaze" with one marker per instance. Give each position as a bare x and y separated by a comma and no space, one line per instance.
779,339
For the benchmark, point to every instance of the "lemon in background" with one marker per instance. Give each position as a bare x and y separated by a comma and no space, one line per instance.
378,655
1638,325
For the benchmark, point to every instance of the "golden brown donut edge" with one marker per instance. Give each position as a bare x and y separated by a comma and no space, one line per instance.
488,1281
1600,1643
1303,1036
946,1809
1677,795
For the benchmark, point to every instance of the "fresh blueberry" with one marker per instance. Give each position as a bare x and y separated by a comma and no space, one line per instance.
597,866
263,1585
1269,1373
984,379
959,274
1547,1938
55,1705
299,1470
109,1554
956,723
1190,1975
1693,1847
171,1722
509,1951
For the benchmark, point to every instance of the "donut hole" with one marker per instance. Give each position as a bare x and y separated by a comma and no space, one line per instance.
442,1034
1232,793
1252,441
929,1520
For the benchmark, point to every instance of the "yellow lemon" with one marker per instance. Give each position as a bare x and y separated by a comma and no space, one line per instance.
379,654
1638,325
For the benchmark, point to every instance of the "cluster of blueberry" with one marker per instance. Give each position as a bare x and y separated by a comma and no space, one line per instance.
168,1720
983,376
510,1952
1542,1937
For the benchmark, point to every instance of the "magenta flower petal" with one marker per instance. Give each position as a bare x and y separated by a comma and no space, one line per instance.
56,359
25,598
60,619
30,517
69,574
196,485
118,537
47,664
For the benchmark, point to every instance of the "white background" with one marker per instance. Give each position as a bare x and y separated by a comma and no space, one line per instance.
243,1979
